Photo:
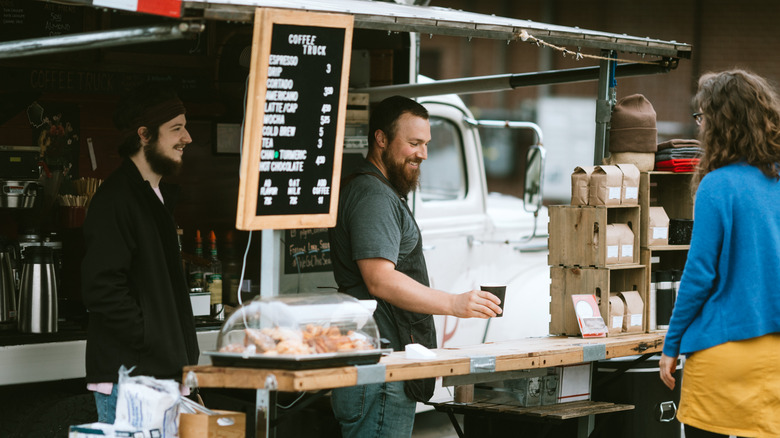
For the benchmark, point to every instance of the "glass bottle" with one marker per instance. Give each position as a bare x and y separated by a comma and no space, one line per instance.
196,271
214,280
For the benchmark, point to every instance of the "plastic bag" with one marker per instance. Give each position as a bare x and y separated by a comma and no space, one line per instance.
147,404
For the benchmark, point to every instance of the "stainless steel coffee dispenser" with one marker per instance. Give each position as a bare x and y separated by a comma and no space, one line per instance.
38,291
7,281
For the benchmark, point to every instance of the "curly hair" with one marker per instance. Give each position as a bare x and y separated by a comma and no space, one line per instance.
741,122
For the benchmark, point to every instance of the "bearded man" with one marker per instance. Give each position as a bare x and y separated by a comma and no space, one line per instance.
133,283
376,248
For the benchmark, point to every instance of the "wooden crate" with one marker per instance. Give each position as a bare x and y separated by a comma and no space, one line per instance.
669,190
357,108
578,233
226,424
568,281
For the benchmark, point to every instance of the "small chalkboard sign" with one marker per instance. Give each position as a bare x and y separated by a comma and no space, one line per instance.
294,131
307,250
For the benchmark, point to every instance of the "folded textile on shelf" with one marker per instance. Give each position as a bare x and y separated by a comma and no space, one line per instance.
678,143
674,153
677,165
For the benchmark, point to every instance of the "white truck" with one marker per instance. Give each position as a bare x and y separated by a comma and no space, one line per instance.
470,236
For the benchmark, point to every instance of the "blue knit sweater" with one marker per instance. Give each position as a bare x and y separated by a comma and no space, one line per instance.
730,288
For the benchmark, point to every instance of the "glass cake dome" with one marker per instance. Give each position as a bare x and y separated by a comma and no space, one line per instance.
304,330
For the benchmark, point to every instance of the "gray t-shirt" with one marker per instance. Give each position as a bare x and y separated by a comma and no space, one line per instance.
372,222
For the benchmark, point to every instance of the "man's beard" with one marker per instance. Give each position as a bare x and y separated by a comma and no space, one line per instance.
159,163
402,179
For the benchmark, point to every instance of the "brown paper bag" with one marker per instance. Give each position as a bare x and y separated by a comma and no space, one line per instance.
613,245
657,227
616,311
605,186
633,313
580,179
626,243
629,193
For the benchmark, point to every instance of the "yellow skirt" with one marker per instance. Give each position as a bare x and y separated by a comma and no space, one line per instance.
734,388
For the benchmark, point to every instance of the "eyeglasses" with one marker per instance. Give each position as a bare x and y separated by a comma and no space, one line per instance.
698,117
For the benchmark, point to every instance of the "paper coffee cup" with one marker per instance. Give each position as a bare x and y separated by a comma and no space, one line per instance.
500,292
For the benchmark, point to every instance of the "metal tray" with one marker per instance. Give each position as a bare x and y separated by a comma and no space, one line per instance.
297,362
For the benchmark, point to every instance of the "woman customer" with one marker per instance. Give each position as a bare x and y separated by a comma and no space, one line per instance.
727,315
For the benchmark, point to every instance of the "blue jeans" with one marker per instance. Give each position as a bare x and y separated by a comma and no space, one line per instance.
106,405
377,410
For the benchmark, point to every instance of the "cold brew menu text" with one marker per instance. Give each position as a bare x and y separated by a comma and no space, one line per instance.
296,113
299,122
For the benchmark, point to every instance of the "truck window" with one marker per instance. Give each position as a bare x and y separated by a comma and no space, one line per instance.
443,175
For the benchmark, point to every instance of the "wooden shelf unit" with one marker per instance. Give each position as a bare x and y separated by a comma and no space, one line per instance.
673,192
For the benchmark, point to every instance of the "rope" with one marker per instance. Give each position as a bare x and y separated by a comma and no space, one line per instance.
525,36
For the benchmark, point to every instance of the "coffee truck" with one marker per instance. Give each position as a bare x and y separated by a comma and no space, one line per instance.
80,55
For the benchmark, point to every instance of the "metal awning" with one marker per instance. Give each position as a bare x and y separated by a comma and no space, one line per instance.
442,21
381,15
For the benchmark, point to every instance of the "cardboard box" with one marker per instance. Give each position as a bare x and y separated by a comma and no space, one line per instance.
580,179
227,424
605,186
629,191
574,382
525,391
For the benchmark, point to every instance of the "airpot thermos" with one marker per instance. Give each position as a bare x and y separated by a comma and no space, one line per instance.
7,282
38,291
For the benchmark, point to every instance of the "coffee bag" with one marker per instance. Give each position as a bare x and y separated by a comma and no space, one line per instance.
613,245
657,227
616,311
580,179
629,192
633,311
605,186
626,243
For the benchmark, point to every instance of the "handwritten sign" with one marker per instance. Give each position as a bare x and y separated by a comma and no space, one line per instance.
307,250
294,134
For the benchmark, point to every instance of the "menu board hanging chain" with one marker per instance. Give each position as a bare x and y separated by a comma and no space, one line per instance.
294,129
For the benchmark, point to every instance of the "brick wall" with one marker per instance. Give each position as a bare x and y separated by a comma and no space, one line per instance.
724,34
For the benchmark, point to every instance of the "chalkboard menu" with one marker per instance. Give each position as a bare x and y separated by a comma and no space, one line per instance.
294,131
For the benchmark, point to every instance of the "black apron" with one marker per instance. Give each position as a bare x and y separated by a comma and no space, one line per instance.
399,326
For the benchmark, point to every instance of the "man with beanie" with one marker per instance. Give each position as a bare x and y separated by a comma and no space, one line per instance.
133,283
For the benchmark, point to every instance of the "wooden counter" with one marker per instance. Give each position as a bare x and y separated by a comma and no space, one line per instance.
509,356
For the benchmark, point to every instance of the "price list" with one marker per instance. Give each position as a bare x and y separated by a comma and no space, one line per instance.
300,117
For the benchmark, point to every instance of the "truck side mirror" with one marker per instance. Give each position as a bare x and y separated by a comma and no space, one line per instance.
534,175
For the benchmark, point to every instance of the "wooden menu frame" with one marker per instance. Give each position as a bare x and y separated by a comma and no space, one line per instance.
316,202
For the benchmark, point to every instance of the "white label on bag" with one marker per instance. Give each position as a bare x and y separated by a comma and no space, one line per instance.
617,321
612,251
636,319
660,232
632,192
614,192
627,251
